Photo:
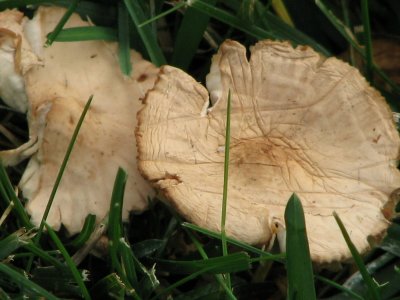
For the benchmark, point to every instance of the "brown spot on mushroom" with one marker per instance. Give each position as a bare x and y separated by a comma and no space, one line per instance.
71,120
142,77
376,139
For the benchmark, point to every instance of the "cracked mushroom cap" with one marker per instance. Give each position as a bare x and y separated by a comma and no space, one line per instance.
57,90
299,123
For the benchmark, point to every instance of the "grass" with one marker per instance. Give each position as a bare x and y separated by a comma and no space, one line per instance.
158,255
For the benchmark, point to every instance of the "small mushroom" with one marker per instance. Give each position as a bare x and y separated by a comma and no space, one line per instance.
57,87
299,123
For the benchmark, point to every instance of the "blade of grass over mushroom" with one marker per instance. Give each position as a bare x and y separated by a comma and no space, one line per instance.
225,188
145,32
189,35
115,218
120,260
298,261
87,33
8,195
17,277
63,166
367,40
123,40
75,273
87,230
52,35
276,257
59,176
373,287
339,287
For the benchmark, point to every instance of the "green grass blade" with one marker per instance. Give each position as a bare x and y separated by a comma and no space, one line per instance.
52,35
6,213
189,35
87,33
347,22
281,11
367,41
225,187
339,287
3,295
59,282
124,50
111,285
87,230
75,273
25,283
145,32
350,38
149,282
98,231
44,256
163,14
128,263
115,232
231,263
8,195
298,262
372,286
230,19
276,257
237,261
276,27
59,176
226,176
147,247
14,241
115,218
204,255
62,168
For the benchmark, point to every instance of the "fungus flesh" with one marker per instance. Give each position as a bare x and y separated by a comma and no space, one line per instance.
300,123
56,88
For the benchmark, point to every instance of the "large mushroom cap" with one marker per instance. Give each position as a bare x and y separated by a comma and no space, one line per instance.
57,90
299,123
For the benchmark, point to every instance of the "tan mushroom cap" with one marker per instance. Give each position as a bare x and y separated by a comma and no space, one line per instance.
57,91
299,123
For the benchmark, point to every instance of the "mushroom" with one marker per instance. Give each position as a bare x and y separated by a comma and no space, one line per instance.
57,87
300,123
